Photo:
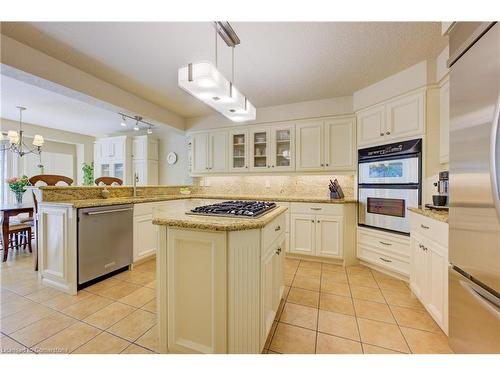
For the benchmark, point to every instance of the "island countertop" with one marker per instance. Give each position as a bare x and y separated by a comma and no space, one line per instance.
433,214
176,216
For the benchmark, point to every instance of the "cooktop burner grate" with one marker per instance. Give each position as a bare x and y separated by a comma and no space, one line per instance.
243,209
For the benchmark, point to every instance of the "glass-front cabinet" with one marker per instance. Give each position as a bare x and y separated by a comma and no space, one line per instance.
260,145
105,170
238,144
283,148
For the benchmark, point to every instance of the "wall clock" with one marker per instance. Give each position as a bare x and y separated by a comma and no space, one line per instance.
171,158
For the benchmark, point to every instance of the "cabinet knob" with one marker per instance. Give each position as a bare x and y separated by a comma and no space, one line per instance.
269,166
424,226
246,166
327,164
277,228
387,133
385,260
381,134
312,221
278,251
322,164
318,221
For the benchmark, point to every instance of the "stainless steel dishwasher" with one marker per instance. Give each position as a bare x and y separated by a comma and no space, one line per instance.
104,241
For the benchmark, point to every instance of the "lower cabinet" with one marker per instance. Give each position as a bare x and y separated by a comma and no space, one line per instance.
144,231
429,267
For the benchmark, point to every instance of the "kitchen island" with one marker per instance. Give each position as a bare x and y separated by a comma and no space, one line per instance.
220,280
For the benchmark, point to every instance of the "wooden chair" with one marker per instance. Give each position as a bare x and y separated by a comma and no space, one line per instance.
49,180
108,181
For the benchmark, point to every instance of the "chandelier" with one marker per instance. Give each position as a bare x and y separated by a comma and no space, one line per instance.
16,140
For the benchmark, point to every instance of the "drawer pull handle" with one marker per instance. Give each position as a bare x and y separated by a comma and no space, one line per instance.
385,243
277,228
316,208
278,251
385,260
424,226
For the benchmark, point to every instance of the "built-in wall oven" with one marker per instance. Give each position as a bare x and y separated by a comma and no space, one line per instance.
389,181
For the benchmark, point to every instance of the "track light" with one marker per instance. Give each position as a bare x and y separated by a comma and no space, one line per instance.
139,123
124,121
150,130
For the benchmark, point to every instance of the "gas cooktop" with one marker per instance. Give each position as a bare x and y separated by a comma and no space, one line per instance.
243,209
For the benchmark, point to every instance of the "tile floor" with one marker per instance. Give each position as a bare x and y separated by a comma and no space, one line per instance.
326,309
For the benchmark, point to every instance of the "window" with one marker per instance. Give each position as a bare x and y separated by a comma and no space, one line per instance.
386,169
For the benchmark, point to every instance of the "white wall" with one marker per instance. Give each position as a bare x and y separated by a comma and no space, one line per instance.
286,112
171,140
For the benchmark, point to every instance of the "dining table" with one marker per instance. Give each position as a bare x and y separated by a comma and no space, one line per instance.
6,212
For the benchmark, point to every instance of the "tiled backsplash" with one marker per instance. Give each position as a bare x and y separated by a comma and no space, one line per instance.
310,185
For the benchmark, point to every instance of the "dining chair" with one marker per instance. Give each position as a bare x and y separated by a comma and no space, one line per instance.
108,181
48,180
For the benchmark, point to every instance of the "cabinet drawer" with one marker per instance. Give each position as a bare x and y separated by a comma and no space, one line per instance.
383,259
317,209
436,230
272,231
387,243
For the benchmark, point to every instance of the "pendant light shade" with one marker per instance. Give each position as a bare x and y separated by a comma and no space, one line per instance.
206,83
13,136
38,141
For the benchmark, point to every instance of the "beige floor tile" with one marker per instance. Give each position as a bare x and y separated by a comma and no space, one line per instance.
298,315
290,269
15,305
367,294
382,334
377,275
288,278
338,324
327,344
334,303
119,291
29,314
403,299
414,319
303,297
44,294
42,329
9,346
310,264
104,343
330,267
308,272
134,325
372,349
293,340
359,270
422,342
333,277
306,283
68,339
139,297
64,300
150,306
151,284
281,306
291,262
393,284
331,287
109,315
270,335
135,349
362,280
149,266
136,277
87,307
27,287
373,310
102,285
150,339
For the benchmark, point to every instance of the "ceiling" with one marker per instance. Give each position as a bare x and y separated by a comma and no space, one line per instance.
53,110
276,62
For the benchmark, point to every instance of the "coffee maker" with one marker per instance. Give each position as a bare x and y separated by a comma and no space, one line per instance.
441,200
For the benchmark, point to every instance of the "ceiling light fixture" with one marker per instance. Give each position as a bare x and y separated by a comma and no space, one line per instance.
16,139
140,124
206,83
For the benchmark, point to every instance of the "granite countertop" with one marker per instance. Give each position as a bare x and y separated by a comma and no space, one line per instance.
176,216
83,203
433,214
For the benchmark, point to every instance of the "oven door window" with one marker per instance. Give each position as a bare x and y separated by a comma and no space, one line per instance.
386,206
395,171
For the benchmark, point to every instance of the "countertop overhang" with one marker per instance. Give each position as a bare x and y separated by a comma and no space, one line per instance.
433,214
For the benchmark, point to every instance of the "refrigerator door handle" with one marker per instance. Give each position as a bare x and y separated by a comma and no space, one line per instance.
494,152
486,299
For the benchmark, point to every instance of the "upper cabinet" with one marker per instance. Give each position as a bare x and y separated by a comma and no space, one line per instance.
145,159
444,122
209,152
260,149
399,118
112,157
238,150
282,147
326,145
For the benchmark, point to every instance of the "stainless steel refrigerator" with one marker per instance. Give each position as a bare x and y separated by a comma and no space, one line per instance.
474,221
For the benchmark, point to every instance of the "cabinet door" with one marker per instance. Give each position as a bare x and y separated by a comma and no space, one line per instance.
238,155
200,153
309,146
140,168
105,170
152,168
218,152
418,269
98,151
437,295
340,144
282,148
371,125
329,236
260,149
144,237
118,148
278,273
302,234
267,295
152,151
405,116
444,123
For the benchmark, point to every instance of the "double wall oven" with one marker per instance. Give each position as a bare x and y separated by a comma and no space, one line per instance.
389,181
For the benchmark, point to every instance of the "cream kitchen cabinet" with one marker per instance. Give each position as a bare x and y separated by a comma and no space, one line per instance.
399,118
429,266
113,157
302,234
144,245
209,152
238,151
326,145
260,149
444,121
145,159
282,156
